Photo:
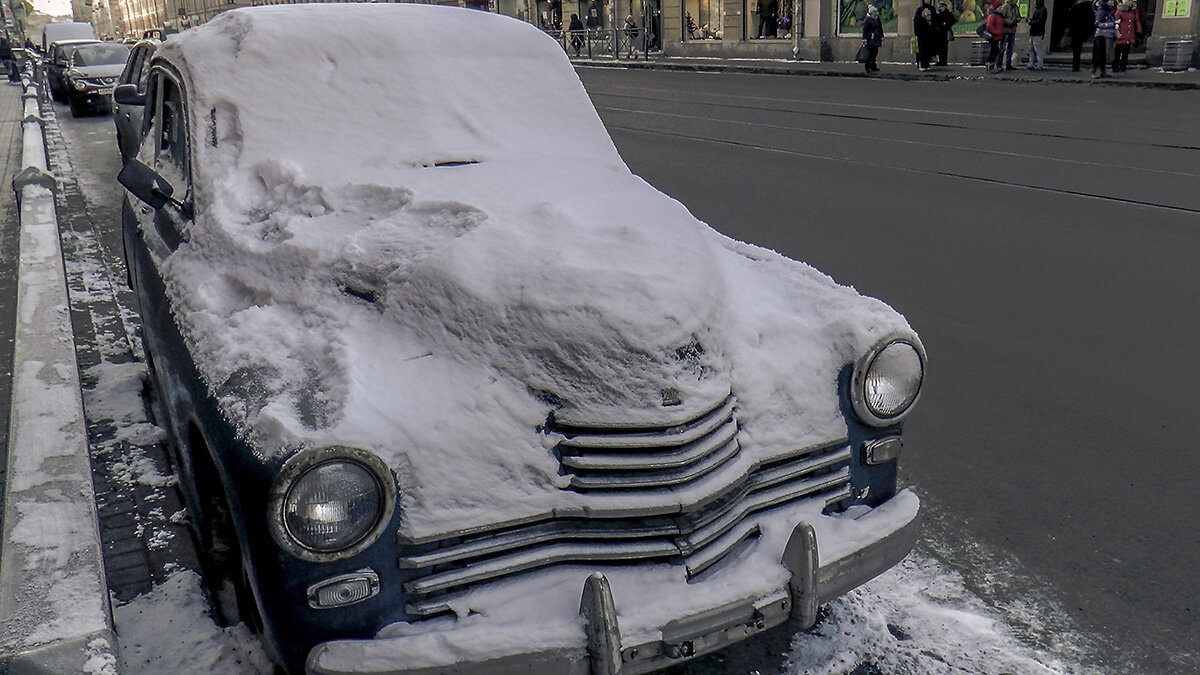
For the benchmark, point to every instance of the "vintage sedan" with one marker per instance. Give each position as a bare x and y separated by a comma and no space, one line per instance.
453,390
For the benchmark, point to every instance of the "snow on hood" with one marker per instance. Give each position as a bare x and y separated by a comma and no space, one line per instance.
442,246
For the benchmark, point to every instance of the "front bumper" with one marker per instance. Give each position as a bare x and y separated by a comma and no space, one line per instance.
787,572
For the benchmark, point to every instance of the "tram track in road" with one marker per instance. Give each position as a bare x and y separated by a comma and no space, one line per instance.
903,141
875,164
789,106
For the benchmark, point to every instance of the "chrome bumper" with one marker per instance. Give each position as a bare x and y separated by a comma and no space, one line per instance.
822,558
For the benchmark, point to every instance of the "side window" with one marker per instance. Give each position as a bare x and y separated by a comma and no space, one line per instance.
172,130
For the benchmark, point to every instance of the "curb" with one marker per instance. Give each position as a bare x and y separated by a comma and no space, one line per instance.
816,70
55,615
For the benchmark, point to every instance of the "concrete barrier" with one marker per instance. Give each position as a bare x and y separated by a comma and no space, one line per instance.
54,609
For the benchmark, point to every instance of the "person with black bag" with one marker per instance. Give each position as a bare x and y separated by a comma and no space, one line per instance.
872,38
943,26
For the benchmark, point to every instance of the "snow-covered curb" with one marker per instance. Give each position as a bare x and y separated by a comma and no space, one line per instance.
53,594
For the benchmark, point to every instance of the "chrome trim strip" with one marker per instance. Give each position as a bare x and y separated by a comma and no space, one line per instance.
527,560
658,479
667,437
758,501
723,546
648,461
539,534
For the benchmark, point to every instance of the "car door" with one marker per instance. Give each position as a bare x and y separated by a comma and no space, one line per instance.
126,116
152,234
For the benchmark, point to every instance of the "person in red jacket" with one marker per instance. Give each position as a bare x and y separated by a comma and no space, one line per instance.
1129,29
995,26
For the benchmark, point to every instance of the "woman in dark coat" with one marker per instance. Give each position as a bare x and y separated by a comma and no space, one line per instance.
926,35
1082,21
943,28
872,37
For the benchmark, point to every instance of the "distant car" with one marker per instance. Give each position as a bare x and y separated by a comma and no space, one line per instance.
58,57
92,72
451,389
129,97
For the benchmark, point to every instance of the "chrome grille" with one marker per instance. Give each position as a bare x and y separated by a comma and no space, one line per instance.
698,537
621,459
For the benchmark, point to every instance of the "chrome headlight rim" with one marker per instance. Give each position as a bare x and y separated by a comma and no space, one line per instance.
300,464
858,380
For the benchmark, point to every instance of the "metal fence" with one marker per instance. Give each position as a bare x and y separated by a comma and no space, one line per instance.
608,43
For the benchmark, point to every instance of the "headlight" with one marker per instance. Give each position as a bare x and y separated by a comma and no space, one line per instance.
887,381
331,503
79,84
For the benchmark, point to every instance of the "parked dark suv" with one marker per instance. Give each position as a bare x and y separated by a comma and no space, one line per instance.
58,57
92,72
453,390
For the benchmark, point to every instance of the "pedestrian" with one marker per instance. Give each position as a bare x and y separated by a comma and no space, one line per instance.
872,38
943,27
575,28
767,10
1082,21
926,35
1037,36
631,33
1129,29
1012,16
6,57
994,25
1106,32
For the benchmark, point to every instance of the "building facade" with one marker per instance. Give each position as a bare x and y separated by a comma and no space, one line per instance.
831,30
810,30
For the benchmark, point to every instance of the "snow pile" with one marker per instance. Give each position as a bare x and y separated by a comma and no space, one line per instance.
169,631
916,618
417,288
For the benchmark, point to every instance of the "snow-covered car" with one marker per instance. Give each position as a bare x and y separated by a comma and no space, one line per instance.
92,72
438,410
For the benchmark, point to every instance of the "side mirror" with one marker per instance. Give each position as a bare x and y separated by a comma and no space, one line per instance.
61,63
146,184
127,94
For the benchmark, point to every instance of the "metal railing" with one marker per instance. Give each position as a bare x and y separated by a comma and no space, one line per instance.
608,43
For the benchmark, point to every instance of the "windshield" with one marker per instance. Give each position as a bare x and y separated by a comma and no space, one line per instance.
96,55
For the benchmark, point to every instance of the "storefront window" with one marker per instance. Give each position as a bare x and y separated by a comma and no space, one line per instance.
702,20
769,19
852,12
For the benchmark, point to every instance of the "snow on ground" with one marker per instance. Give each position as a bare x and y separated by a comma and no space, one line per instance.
169,631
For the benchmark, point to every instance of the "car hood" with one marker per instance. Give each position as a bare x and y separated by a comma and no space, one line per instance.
443,321
102,70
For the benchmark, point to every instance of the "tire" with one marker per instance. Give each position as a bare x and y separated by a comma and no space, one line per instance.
76,109
220,554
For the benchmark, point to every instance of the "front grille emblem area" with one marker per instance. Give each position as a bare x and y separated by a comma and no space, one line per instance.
625,459
670,398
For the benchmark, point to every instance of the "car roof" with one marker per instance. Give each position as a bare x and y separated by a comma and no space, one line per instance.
389,86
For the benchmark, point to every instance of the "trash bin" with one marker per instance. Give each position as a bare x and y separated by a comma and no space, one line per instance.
1177,54
979,52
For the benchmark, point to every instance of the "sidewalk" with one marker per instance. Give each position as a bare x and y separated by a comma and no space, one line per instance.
1052,74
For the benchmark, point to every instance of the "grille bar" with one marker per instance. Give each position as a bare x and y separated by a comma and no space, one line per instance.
540,557
627,480
666,437
685,455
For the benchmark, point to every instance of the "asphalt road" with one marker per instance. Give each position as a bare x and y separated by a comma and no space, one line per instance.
1042,240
